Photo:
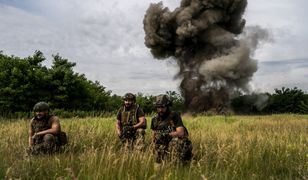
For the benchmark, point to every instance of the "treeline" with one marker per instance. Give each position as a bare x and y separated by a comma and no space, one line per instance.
284,100
25,81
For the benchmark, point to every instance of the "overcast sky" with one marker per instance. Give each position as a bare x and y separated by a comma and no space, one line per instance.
106,40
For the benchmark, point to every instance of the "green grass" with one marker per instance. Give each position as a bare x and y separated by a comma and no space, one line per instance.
233,147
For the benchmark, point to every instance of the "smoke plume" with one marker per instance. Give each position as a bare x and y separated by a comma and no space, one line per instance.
207,39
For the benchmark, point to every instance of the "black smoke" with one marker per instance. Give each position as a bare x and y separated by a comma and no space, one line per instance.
207,40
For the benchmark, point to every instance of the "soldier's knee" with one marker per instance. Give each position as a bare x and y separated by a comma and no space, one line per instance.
186,150
179,141
49,138
175,141
180,144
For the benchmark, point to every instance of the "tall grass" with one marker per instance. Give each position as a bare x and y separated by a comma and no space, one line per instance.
233,147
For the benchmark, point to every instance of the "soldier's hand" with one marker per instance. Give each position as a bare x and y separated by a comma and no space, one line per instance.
34,136
165,134
121,135
128,128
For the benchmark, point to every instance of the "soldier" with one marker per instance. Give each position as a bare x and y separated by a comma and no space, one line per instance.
131,123
170,136
45,135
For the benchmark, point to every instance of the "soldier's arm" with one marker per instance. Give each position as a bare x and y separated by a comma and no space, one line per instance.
118,127
180,132
55,127
141,118
179,127
31,133
142,123
118,123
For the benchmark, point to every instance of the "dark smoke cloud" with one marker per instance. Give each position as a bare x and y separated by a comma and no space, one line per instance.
213,52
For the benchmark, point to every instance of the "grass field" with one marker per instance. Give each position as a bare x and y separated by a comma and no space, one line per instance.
234,147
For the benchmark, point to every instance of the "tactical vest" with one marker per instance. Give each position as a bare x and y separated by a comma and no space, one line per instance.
129,118
167,124
41,125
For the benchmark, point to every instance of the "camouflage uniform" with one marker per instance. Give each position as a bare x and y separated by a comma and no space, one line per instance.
129,117
47,143
166,147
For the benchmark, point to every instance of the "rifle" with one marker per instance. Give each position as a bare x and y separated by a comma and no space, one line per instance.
162,137
127,132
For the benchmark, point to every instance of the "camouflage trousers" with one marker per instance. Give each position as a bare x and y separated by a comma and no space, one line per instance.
45,144
134,141
177,150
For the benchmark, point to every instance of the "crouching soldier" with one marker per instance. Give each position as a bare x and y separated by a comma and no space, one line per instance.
131,123
170,137
45,135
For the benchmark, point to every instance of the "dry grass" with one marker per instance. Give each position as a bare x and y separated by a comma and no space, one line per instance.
234,147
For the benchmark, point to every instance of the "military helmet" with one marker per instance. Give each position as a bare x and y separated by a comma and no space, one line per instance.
129,96
41,106
162,100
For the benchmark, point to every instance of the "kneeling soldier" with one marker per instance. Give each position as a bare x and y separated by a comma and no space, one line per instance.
170,136
131,123
45,135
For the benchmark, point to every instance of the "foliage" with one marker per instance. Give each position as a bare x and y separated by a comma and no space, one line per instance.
288,100
250,104
177,100
26,81
146,102
284,100
20,78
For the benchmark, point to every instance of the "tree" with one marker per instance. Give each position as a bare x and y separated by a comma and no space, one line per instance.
177,100
250,103
146,102
19,77
23,82
288,100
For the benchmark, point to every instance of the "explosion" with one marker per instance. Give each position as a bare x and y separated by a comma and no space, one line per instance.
207,40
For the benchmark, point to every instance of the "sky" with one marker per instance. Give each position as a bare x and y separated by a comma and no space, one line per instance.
106,40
